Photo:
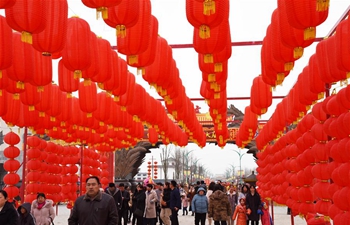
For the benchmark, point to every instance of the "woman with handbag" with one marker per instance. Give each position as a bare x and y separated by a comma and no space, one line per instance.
42,210
253,204
139,200
240,213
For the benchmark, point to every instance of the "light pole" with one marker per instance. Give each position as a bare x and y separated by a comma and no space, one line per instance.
240,164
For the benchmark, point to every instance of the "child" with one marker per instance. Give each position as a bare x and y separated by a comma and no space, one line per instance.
184,204
240,213
25,218
265,216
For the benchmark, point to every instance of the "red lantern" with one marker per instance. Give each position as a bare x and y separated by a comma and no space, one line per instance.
22,68
30,96
42,70
306,15
5,44
6,3
52,39
76,54
123,16
261,96
101,6
102,70
132,43
87,96
66,80
28,17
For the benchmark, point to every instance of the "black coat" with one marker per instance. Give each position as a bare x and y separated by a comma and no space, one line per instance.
253,203
123,204
8,215
27,218
140,198
166,197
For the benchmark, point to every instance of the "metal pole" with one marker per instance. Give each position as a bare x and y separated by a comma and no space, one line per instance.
272,212
291,217
24,164
81,171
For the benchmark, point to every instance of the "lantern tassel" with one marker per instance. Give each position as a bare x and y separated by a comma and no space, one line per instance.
31,108
208,58
288,66
26,37
141,70
212,77
298,52
121,31
309,33
218,67
103,11
0,74
77,74
208,7
347,75
133,59
217,95
322,5
204,32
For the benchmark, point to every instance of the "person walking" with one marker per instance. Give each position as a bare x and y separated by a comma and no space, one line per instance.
112,191
25,217
42,210
253,204
8,214
159,191
240,213
95,207
165,212
175,202
233,199
219,206
192,193
244,192
200,206
123,198
184,203
210,192
139,199
150,214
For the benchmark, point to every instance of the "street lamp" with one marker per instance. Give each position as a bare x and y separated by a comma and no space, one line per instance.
240,164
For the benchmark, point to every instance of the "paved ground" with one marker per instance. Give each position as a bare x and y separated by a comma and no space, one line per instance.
281,217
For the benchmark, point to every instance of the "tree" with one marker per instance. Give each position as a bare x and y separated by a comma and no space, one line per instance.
164,157
177,155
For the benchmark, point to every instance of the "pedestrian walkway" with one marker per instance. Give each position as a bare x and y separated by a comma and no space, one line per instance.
281,217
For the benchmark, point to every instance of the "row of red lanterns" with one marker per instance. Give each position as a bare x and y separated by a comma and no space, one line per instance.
212,42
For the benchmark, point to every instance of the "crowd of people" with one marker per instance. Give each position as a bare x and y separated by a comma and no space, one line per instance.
148,204
39,212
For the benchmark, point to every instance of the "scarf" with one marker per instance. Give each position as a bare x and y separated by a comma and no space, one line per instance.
40,205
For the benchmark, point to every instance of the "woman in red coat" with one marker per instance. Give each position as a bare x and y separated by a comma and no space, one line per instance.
240,213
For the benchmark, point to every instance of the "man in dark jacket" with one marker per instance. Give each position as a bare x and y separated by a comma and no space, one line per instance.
175,202
165,202
123,197
112,191
95,207
8,214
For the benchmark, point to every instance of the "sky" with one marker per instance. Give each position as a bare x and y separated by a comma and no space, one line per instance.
248,22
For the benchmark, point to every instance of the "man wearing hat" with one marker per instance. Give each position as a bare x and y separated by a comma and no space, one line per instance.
112,191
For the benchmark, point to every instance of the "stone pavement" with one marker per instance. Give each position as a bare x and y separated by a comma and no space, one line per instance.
281,217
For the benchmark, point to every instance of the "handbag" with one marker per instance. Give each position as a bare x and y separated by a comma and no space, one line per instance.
138,212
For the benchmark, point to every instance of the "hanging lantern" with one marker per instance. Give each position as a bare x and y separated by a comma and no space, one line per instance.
123,16
66,80
11,165
101,6
56,98
116,76
200,16
30,96
102,112
261,96
290,36
127,98
42,70
87,96
22,68
343,53
121,71
28,17
76,54
147,57
6,3
132,43
306,15
5,44
104,61
52,39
